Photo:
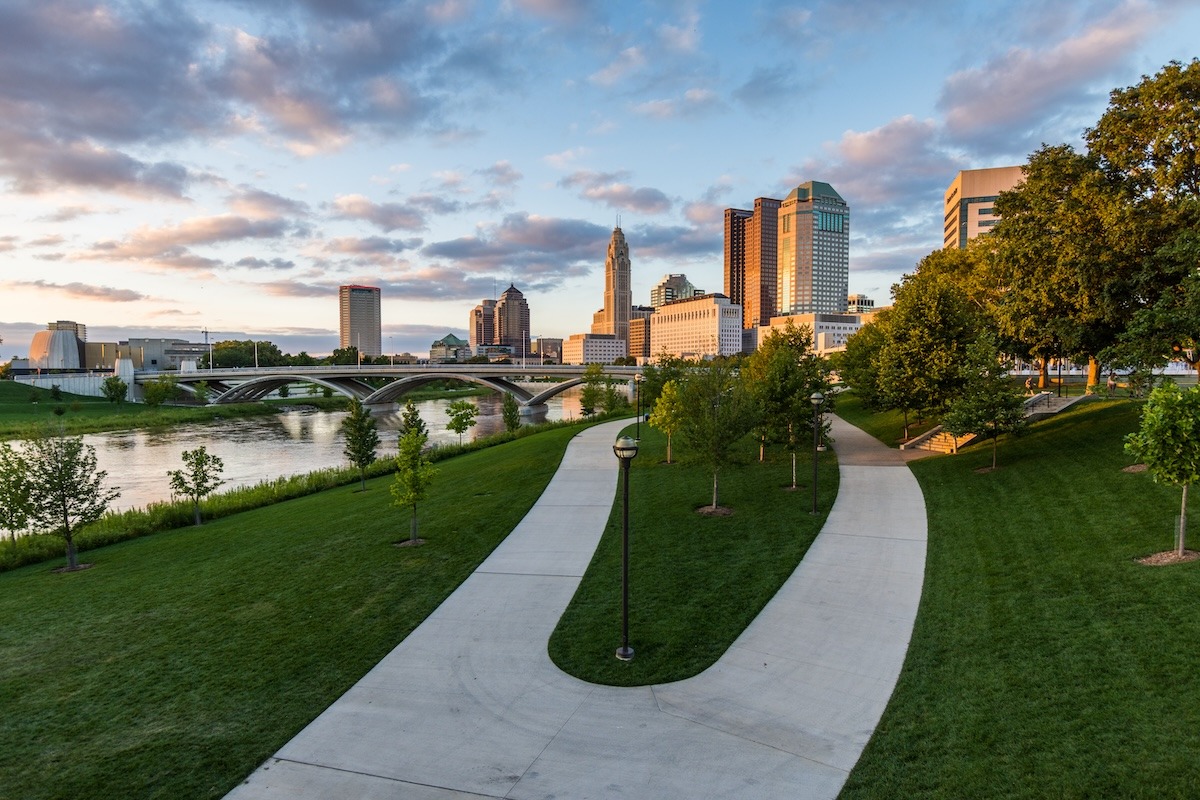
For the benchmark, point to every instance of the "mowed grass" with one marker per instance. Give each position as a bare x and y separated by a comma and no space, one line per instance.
1045,661
181,661
695,581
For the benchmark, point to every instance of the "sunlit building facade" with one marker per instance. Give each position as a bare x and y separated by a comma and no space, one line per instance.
360,324
969,201
814,251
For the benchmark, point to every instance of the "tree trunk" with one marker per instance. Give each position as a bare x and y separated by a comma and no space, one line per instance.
1093,378
362,479
1182,521
793,469
714,502
762,449
1043,373
906,424
995,445
668,448
72,558
412,525
196,512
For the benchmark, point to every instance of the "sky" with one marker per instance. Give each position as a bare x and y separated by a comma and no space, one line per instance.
172,168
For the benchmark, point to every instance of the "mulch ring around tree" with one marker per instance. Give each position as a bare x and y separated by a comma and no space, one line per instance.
719,511
409,543
1168,557
1135,468
79,568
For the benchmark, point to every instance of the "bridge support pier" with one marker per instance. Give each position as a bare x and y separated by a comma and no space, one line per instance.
529,411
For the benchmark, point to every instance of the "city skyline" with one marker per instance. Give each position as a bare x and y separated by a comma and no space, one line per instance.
224,167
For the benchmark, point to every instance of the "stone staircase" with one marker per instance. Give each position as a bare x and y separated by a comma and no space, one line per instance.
1039,406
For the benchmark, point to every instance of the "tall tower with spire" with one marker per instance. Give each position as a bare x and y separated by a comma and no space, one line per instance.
618,293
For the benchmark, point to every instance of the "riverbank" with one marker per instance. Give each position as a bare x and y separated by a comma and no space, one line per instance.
24,408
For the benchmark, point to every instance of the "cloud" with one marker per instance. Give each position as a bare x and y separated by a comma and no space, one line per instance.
607,188
259,204
371,245
566,158
546,248
169,246
768,86
502,173
629,61
253,262
1026,88
385,216
691,103
83,291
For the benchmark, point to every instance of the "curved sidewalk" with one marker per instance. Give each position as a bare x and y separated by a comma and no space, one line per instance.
470,705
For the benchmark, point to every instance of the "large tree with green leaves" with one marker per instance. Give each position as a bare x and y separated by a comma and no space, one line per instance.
114,389
410,419
592,395
362,439
1168,443
66,490
990,403
462,417
414,475
160,390
718,411
200,477
657,374
14,491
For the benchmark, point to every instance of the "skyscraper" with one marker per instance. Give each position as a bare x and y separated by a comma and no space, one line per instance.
481,328
814,251
969,199
671,287
618,295
360,321
750,260
512,321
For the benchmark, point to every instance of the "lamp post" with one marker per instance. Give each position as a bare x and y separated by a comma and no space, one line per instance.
817,399
625,449
637,385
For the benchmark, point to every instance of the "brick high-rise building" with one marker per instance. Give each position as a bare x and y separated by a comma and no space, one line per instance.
750,260
481,327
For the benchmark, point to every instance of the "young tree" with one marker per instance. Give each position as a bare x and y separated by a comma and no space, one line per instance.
1168,442
199,479
718,411
362,439
511,412
410,420
591,396
782,376
462,417
414,474
202,392
990,404
65,488
160,390
114,389
14,491
668,412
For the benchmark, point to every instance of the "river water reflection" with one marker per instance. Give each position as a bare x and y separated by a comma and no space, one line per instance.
263,448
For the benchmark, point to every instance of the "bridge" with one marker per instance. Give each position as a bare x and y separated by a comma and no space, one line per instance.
249,384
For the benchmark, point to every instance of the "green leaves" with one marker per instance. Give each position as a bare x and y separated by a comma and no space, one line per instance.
1169,439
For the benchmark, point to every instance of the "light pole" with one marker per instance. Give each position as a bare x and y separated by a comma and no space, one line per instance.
637,386
625,450
817,399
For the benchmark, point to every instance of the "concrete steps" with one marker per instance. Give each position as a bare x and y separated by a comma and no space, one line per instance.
1039,406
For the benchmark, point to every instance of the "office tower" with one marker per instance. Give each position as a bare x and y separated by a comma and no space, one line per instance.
360,322
512,322
859,304
481,328
698,327
814,251
750,260
968,202
671,287
618,296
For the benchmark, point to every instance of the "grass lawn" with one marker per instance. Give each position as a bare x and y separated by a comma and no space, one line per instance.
695,581
1045,662
181,661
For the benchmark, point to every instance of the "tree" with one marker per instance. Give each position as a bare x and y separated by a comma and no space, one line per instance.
511,412
160,390
591,396
14,491
414,474
990,404
345,356
657,374
200,477
718,411
201,392
668,412
114,389
410,420
782,375
462,417
362,439
857,365
1168,442
66,489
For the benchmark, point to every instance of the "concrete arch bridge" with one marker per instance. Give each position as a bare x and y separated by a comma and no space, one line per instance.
249,384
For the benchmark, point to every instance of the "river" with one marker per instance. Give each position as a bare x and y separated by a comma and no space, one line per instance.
262,448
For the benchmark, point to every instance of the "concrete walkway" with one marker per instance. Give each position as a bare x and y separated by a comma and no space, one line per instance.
470,705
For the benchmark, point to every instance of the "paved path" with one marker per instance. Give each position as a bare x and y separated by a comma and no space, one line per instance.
470,705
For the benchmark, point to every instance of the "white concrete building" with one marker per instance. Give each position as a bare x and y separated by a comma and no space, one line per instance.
830,331
698,327
593,348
